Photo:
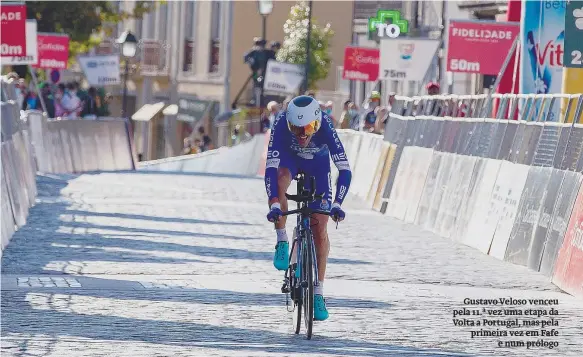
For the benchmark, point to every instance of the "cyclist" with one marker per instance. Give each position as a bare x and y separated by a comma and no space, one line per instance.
303,138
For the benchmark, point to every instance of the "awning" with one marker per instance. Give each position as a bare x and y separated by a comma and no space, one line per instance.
172,109
148,111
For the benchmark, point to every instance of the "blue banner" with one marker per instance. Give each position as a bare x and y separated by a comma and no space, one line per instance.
542,36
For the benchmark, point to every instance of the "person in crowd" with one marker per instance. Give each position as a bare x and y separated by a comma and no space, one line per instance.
381,114
48,99
205,139
434,106
21,92
369,116
345,115
311,93
239,135
58,97
71,102
31,101
92,104
272,109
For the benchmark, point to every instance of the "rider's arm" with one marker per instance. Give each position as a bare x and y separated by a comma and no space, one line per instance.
339,158
276,144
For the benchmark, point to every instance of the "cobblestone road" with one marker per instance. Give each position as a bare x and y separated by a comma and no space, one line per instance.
145,264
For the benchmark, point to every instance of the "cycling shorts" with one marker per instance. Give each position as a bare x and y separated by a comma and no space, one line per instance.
319,167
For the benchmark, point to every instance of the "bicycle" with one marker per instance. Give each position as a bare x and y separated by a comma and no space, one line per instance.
301,277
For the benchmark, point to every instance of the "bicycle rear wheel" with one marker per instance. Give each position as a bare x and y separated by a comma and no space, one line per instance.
308,288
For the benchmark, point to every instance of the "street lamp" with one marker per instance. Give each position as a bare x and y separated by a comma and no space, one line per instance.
308,46
265,8
129,48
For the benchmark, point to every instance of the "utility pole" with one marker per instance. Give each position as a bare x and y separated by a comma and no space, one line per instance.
308,47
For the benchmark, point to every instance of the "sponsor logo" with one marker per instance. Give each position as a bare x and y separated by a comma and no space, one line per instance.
51,47
388,23
11,16
276,69
305,155
325,205
342,165
342,192
334,134
272,163
92,64
272,154
268,186
330,183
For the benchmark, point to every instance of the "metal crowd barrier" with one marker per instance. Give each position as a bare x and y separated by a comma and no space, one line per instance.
468,125
18,186
528,107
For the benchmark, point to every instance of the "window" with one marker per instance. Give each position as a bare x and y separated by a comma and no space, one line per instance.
188,37
215,41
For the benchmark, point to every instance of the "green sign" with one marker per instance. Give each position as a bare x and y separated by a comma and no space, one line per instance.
387,24
573,56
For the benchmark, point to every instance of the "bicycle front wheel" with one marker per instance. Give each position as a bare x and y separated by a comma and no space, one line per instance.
308,283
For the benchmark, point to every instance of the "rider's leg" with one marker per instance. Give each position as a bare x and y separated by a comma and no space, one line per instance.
319,223
281,257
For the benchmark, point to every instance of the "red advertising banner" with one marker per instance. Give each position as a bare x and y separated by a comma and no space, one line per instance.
361,64
53,51
476,46
13,30
568,273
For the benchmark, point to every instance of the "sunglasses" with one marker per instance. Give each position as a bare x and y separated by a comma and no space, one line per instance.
309,129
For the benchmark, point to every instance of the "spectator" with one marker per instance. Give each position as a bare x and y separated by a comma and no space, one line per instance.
273,109
434,106
381,120
92,104
71,102
310,93
354,122
31,101
369,115
239,136
205,140
21,92
58,97
189,148
48,99
345,117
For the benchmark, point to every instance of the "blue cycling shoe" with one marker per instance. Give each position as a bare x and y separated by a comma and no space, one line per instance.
281,257
320,311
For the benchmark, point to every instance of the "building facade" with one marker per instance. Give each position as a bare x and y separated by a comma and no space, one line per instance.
194,49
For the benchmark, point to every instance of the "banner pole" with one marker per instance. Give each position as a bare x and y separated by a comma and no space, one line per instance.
35,82
499,76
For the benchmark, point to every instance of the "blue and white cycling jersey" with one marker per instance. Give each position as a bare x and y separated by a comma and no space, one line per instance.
284,151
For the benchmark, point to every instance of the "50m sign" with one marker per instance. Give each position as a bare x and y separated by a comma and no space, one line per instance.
13,30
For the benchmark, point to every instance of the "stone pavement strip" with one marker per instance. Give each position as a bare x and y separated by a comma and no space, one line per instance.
151,264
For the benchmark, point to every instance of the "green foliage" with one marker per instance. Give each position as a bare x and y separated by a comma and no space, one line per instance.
293,49
81,20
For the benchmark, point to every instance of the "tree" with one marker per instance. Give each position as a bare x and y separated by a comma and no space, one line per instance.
81,20
293,49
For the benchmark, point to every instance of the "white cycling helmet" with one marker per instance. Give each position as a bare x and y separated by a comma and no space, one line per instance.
304,115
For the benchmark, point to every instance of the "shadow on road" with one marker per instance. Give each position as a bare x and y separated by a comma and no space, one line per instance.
55,323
